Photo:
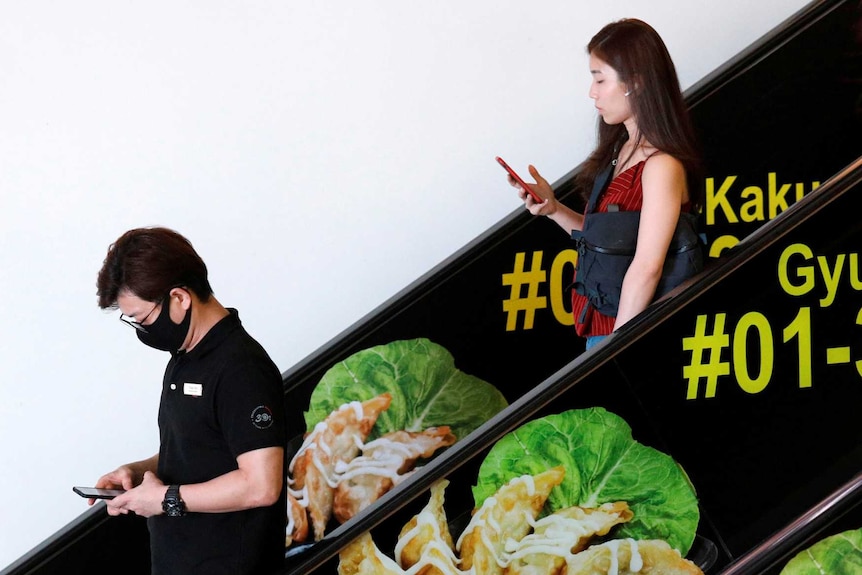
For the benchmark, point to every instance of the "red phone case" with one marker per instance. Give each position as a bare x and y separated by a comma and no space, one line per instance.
522,183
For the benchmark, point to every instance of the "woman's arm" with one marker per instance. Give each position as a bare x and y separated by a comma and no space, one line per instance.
664,191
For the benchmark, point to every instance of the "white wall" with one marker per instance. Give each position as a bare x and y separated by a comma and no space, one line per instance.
320,156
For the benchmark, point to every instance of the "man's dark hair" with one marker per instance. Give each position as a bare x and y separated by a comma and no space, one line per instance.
149,262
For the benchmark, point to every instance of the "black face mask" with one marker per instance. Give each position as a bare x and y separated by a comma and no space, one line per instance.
163,334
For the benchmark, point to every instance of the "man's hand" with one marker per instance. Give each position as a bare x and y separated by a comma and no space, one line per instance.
144,500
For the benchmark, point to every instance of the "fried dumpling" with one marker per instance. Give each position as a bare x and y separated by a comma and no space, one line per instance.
426,531
436,561
297,522
503,518
384,463
337,439
562,533
362,557
424,546
630,557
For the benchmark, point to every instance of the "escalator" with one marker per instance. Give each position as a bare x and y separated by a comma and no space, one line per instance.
765,425
762,447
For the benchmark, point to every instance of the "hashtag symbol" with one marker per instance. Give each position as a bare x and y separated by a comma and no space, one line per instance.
713,345
529,304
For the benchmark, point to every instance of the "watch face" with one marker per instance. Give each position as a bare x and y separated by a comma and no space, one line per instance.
173,508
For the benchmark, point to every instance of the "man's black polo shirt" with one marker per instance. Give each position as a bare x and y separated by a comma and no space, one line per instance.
219,400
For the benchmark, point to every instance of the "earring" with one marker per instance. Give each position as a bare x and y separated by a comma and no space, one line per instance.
627,93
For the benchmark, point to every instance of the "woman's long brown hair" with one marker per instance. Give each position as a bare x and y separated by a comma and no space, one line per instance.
639,56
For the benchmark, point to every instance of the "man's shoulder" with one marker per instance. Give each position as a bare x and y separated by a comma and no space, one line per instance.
240,352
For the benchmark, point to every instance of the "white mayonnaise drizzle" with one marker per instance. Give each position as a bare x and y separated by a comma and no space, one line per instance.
435,554
307,442
529,481
424,519
478,520
556,534
315,441
614,547
635,563
290,522
301,496
330,481
356,406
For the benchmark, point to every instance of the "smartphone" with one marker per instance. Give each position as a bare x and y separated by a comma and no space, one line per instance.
522,183
96,493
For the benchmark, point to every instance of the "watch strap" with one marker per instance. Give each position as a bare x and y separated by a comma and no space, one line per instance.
173,505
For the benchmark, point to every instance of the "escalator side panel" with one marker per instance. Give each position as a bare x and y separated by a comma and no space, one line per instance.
780,428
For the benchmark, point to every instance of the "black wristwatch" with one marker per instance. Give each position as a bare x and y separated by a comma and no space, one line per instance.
173,505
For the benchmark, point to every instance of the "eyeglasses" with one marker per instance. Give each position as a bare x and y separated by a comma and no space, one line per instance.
139,325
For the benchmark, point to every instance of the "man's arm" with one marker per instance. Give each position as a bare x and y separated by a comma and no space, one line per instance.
256,483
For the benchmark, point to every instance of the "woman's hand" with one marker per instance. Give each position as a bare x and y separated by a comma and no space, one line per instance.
542,189
564,216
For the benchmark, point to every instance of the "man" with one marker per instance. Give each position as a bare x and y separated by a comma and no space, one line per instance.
214,496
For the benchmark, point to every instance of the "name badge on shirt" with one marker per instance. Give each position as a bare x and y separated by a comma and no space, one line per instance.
193,389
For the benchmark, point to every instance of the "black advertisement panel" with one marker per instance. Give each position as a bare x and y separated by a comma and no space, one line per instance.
757,388
782,125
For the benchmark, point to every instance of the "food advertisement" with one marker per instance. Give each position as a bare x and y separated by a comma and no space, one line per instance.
567,493
372,418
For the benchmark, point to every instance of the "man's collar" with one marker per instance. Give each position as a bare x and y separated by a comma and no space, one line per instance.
216,334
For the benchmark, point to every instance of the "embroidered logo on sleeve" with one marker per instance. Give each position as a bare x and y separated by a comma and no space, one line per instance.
261,417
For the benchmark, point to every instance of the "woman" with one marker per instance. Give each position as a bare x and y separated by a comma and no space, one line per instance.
645,134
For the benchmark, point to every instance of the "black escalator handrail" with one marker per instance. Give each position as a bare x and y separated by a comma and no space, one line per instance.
531,403
72,532
759,50
801,532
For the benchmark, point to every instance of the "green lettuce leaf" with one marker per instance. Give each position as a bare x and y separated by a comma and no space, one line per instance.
839,554
427,389
603,464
